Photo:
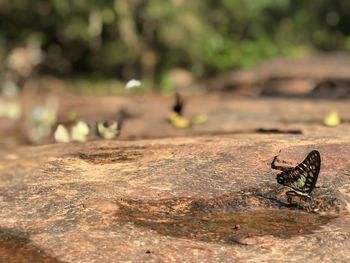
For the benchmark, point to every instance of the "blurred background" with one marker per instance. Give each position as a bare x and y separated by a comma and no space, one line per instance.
120,40
55,54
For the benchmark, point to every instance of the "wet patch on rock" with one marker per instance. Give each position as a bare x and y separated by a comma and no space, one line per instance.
231,218
15,247
108,155
105,156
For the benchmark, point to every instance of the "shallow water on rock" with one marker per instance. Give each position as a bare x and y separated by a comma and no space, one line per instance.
182,221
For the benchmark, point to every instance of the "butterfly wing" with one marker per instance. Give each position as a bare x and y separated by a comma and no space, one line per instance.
178,104
304,176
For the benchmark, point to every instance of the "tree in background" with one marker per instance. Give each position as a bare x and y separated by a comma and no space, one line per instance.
147,38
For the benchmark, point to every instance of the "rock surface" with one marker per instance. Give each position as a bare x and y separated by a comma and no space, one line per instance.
197,199
226,114
289,76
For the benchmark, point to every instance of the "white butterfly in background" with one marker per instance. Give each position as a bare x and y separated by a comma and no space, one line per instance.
78,133
133,83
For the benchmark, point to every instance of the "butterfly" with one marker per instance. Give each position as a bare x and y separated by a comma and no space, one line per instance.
110,129
78,133
302,178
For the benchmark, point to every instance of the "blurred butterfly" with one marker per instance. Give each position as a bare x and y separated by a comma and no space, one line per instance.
110,129
78,133
177,119
179,104
302,178
175,116
61,134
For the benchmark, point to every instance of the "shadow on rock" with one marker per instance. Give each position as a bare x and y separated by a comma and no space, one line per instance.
16,247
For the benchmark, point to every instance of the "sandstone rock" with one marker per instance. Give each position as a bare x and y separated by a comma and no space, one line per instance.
173,200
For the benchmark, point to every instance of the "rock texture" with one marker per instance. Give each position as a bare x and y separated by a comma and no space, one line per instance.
198,199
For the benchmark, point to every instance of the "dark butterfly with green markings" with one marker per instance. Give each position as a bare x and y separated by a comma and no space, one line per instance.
302,178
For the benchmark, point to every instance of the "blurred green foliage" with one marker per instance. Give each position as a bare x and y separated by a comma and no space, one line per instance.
147,38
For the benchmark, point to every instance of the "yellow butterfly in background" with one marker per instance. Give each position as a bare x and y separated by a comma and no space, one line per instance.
177,120
332,119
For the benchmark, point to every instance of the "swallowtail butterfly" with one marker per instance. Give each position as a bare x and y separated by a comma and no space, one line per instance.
302,178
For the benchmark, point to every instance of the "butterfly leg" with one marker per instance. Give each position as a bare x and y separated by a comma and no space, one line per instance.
306,198
321,187
303,196
290,195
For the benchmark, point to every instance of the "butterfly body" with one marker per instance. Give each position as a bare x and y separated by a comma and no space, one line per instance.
302,178
179,104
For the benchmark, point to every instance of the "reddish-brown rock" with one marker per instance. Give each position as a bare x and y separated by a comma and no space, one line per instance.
173,200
